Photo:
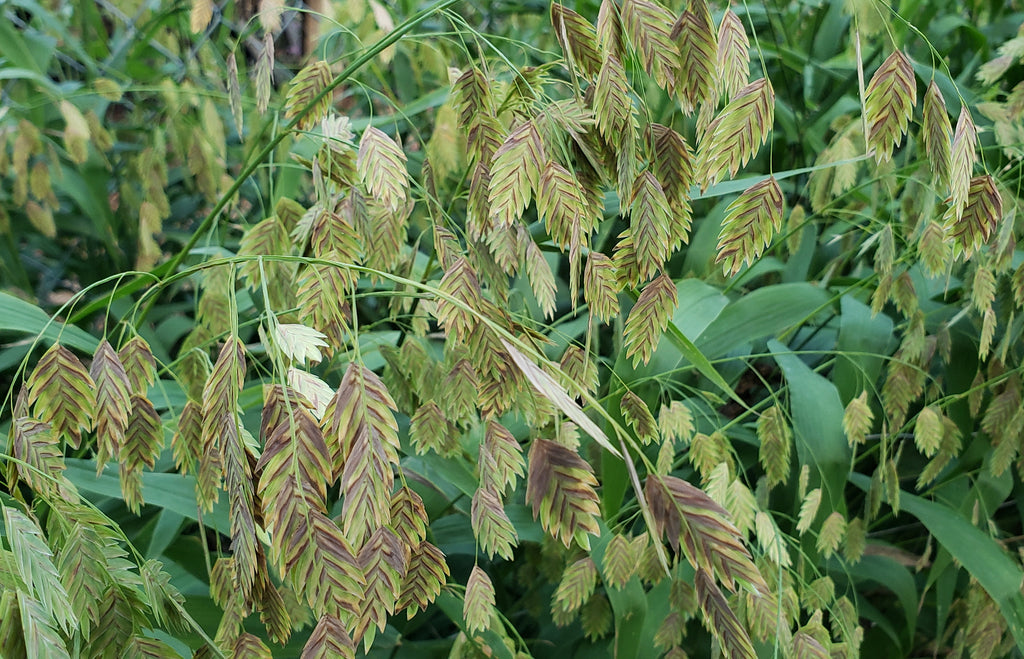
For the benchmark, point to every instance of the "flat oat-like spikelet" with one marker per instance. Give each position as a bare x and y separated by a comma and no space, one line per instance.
424,579
637,415
649,318
649,26
491,525
62,394
693,522
501,459
672,164
113,402
41,459
979,219
937,130
721,620
515,173
578,40
620,561
649,224
329,640
613,107
309,87
560,489
461,283
577,585
479,602
600,290
384,561
562,206
962,159
733,56
697,79
381,167
735,135
750,224
889,104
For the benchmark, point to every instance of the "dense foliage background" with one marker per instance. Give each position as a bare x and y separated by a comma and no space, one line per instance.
624,328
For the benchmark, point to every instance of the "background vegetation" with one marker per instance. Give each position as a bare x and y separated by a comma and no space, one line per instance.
622,328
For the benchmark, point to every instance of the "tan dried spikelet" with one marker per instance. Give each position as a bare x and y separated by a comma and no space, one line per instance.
200,15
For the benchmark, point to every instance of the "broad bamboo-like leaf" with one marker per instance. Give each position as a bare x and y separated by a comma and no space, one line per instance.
733,59
578,40
776,444
113,402
736,134
479,602
381,167
750,224
692,521
979,219
501,459
329,640
62,394
695,38
384,561
889,104
491,525
34,562
599,287
649,27
962,159
720,619
649,225
542,279
649,318
424,579
636,413
560,489
937,130
613,107
305,87
515,173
